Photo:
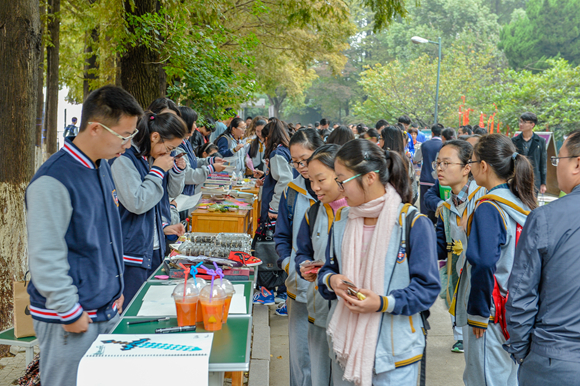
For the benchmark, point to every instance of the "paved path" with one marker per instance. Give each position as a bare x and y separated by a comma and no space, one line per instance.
13,367
444,368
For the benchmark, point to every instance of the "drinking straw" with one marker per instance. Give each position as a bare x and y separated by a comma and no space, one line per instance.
219,272
213,274
194,270
186,275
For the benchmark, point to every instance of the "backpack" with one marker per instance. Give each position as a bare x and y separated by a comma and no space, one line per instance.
409,218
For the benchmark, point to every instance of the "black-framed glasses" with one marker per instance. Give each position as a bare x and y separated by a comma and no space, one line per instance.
298,164
444,164
473,162
124,140
555,160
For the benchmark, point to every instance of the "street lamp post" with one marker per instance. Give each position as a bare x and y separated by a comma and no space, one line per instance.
420,40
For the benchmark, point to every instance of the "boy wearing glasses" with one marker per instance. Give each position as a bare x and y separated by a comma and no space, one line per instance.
533,146
74,236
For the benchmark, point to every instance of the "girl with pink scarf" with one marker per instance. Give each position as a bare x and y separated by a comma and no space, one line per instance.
377,338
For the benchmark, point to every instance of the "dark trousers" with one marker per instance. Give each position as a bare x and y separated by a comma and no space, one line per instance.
428,213
134,277
540,370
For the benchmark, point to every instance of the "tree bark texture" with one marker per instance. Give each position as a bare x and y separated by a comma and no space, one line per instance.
40,89
91,64
139,68
51,110
20,43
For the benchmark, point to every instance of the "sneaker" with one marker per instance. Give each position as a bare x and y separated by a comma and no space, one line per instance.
244,259
264,297
281,298
282,310
457,347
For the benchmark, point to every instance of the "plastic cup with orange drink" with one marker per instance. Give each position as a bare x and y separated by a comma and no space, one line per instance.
230,291
186,297
199,284
212,300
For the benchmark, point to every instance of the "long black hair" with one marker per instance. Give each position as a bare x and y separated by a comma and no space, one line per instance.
340,135
277,135
168,125
362,157
255,145
189,116
501,155
393,139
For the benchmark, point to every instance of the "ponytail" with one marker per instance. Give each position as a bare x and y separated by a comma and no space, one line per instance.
362,157
501,155
167,125
522,184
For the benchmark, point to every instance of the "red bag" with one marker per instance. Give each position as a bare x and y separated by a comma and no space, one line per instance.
499,301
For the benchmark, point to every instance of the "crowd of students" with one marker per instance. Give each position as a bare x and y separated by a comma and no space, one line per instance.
361,319
362,263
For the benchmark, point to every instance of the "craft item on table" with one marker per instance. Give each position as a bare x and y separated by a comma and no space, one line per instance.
196,259
185,202
244,258
141,359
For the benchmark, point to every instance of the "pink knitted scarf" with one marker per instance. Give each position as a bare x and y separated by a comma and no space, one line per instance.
354,336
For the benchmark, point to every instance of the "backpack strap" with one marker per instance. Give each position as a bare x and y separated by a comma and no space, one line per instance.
291,196
312,215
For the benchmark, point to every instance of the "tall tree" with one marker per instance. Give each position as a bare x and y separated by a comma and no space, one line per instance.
52,71
549,29
20,42
140,74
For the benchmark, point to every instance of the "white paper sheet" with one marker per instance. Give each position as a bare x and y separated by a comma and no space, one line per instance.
146,360
185,202
159,302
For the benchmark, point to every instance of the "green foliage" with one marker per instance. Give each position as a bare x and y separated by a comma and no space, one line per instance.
549,29
408,87
553,95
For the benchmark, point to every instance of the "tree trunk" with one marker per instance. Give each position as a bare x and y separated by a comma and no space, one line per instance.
20,43
346,108
91,64
139,70
51,110
40,88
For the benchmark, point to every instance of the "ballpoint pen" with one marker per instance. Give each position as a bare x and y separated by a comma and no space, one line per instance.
148,321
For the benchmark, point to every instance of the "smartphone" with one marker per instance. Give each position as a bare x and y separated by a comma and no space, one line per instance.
179,155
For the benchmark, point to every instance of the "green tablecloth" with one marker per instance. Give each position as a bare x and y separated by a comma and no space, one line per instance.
230,348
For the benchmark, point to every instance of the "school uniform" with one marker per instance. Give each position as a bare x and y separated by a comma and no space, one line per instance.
258,159
227,148
195,173
492,233
411,286
75,251
313,248
144,192
277,177
295,202
452,239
